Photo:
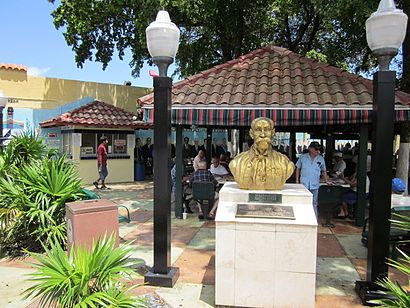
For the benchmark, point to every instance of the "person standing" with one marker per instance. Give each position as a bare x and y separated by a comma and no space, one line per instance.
187,149
309,167
138,151
102,156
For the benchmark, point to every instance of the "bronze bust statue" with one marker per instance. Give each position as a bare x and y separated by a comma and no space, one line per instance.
261,168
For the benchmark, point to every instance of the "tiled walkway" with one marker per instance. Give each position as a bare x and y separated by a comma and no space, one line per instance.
341,258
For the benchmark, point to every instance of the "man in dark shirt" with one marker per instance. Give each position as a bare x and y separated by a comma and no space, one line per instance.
147,155
187,148
147,150
102,157
138,151
203,175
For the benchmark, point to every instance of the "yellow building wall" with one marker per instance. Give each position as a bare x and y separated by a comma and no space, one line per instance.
46,93
119,170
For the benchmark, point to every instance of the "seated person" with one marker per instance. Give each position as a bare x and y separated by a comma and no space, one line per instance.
224,161
217,169
339,166
203,175
350,197
200,157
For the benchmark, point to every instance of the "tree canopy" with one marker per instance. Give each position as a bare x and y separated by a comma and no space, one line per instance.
216,31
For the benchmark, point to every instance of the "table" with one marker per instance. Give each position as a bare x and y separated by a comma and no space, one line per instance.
336,183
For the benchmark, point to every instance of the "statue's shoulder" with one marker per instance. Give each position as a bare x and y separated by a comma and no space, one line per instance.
234,162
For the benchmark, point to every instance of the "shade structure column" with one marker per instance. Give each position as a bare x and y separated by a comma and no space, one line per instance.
163,274
292,146
179,161
361,176
208,145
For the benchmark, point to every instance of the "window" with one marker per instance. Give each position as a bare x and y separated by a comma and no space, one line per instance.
117,144
120,143
88,144
68,145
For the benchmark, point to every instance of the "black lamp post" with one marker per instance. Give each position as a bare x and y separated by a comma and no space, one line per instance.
3,101
385,30
162,42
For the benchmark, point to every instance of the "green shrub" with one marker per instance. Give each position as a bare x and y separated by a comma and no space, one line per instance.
26,148
399,297
35,184
84,279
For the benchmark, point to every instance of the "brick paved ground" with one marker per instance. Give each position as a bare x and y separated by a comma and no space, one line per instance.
341,258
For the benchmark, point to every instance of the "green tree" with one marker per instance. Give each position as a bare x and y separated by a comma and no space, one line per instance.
216,31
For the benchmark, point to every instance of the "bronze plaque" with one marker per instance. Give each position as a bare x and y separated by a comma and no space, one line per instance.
265,198
256,210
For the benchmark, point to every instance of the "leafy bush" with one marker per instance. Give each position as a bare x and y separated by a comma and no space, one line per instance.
397,296
84,279
35,184
26,148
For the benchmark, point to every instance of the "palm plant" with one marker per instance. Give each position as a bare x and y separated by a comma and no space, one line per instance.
25,148
35,184
95,278
396,295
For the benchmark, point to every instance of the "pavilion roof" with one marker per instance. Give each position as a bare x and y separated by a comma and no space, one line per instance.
96,114
274,82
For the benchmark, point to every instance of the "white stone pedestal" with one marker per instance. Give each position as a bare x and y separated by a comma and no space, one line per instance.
265,262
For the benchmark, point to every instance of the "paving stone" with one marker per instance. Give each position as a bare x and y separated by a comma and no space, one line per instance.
188,295
191,221
193,264
146,254
335,276
126,228
394,274
328,246
323,230
345,227
337,301
204,239
352,245
141,215
182,236
13,281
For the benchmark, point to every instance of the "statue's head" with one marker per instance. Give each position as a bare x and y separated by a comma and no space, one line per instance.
262,132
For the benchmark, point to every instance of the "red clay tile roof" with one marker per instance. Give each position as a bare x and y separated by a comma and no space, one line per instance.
13,67
274,77
96,114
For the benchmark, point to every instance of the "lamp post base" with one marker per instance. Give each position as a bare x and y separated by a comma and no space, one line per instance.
162,280
368,291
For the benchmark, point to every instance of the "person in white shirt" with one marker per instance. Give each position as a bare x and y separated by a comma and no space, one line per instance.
339,166
198,158
217,169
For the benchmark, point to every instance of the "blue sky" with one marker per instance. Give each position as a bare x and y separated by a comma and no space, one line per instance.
29,37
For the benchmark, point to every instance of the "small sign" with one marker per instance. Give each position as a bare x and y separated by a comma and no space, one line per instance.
86,150
265,198
52,135
120,142
255,210
12,100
